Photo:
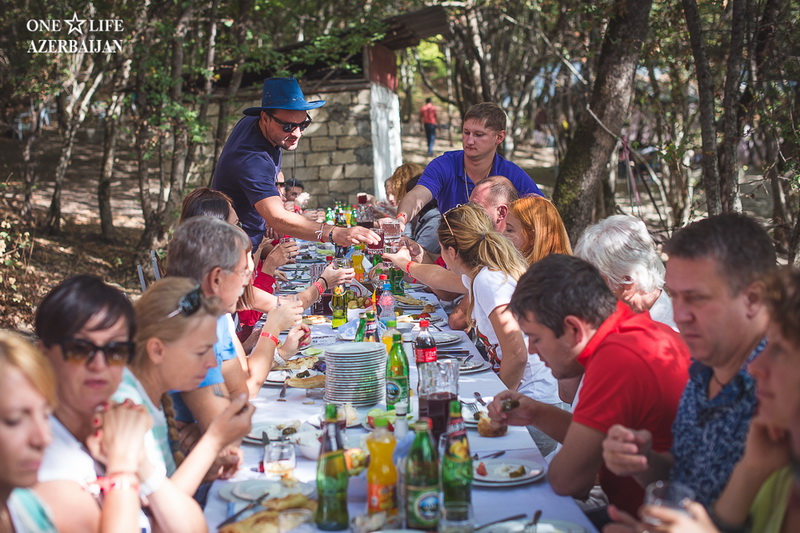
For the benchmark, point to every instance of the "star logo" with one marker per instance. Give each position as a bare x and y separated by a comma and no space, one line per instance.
75,24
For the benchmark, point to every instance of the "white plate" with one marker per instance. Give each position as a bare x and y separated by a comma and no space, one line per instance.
496,471
277,377
472,364
292,266
544,526
442,338
469,420
484,366
253,489
274,431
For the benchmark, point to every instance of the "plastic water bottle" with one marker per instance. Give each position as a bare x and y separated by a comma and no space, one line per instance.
387,301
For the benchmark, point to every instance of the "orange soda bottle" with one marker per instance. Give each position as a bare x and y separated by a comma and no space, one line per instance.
358,264
381,474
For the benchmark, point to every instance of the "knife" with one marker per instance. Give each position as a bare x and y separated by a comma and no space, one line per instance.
264,438
282,395
515,517
250,506
481,401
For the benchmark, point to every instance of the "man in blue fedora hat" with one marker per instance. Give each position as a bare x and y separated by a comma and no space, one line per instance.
249,168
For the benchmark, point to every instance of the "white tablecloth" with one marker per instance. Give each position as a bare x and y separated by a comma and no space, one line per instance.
489,504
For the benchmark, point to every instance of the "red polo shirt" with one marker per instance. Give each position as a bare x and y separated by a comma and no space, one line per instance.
635,372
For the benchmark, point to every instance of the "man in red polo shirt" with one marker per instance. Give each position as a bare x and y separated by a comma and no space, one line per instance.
633,368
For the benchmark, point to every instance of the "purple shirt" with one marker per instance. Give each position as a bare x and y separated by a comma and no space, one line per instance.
450,186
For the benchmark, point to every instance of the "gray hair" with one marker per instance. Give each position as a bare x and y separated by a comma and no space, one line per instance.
620,246
201,244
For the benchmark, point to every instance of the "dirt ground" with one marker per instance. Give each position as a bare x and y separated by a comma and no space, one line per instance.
31,265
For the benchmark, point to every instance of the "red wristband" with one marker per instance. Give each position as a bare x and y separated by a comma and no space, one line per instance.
318,285
408,267
271,337
403,216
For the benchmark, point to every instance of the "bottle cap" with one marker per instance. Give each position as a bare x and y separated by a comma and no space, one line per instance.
382,277
401,408
391,323
424,323
329,258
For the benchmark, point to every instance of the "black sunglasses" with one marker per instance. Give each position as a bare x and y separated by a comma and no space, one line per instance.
289,127
188,304
83,351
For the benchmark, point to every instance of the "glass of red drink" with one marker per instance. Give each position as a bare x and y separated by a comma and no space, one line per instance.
438,385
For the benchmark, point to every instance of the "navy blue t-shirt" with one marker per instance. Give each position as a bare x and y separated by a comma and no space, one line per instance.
450,186
247,171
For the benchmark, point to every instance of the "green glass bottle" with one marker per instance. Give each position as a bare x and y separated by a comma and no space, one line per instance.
422,479
396,373
362,326
338,307
332,477
371,329
456,462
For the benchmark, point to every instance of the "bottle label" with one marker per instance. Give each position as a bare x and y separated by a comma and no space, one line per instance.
423,506
425,355
380,498
396,389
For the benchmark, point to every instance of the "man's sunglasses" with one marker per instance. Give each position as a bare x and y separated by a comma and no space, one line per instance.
188,304
289,127
83,351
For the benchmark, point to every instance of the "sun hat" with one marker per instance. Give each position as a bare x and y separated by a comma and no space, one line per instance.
283,93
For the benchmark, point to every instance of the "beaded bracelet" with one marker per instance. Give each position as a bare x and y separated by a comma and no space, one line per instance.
271,337
330,235
122,480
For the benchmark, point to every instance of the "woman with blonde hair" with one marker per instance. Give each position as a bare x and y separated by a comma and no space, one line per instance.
85,329
534,226
174,350
486,265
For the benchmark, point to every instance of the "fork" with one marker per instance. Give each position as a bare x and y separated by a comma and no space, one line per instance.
473,408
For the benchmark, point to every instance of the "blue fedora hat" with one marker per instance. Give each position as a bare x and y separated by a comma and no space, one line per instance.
283,93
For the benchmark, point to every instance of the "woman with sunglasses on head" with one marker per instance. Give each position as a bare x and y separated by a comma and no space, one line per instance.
85,330
486,265
176,332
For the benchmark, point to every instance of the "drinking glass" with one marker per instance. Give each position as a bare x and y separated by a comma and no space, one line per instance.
674,495
438,385
287,299
279,459
296,521
376,248
342,262
456,517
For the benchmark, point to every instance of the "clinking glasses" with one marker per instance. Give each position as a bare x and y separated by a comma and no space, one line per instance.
83,351
289,127
188,304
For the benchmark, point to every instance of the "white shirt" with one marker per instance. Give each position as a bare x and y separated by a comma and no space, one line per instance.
489,290
662,311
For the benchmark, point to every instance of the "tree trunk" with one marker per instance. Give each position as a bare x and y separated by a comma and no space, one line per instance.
29,175
705,90
728,163
111,130
52,222
585,162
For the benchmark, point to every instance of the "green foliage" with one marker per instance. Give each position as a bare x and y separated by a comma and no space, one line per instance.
13,245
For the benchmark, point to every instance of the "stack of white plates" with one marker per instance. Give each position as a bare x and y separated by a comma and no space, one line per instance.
355,373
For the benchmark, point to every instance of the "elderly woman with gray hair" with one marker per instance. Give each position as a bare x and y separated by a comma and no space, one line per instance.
623,251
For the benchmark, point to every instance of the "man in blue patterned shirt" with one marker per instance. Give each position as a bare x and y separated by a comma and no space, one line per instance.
714,278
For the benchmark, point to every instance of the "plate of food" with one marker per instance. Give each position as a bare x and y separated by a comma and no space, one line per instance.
408,303
544,526
415,318
253,489
474,367
275,431
505,472
315,320
279,375
299,363
472,411
292,267
266,521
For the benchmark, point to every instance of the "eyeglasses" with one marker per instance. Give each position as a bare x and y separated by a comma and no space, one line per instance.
188,304
289,127
83,351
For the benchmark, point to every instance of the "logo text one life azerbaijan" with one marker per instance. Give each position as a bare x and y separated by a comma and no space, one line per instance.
82,35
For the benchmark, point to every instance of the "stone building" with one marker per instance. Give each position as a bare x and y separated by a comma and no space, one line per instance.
354,141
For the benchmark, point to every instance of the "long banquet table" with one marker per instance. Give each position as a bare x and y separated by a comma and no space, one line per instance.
489,504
